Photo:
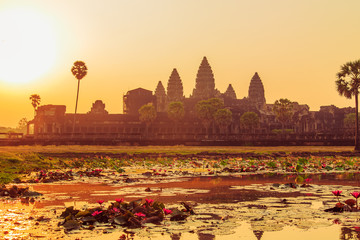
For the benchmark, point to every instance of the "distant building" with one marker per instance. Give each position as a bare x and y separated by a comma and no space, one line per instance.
175,90
305,127
256,92
161,100
135,99
205,82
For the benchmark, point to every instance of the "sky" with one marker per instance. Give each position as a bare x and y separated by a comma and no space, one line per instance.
297,47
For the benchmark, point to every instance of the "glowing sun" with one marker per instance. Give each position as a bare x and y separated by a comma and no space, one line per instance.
27,45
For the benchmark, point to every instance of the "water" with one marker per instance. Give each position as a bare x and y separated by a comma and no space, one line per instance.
250,206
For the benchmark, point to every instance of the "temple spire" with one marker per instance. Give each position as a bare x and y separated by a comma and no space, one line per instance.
160,97
175,90
256,91
205,82
230,92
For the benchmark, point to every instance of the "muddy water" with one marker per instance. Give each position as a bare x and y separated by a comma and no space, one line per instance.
204,189
252,206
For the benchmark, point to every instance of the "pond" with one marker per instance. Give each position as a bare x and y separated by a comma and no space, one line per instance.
233,206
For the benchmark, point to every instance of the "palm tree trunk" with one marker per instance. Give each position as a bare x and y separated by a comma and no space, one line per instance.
77,97
357,146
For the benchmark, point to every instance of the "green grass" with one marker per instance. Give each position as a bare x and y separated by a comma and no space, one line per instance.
15,161
168,149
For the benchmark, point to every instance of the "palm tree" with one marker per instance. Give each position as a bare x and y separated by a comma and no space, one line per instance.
79,70
35,101
347,84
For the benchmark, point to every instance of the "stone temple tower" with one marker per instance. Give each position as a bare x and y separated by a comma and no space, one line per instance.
175,91
230,92
160,98
256,91
205,82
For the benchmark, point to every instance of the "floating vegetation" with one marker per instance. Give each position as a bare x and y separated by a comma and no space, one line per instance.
132,214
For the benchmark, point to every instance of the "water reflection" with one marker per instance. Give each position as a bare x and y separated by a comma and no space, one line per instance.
258,234
16,219
175,236
205,236
350,233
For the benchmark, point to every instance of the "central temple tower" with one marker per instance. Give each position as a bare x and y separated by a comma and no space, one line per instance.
256,91
205,82
175,90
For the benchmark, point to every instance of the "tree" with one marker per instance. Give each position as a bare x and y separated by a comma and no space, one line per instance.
147,114
249,120
79,70
176,111
22,125
223,118
347,84
35,101
283,109
206,109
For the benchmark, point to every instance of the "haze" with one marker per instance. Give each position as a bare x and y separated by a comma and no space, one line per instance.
296,47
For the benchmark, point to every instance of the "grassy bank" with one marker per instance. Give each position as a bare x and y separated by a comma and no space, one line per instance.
169,149
19,160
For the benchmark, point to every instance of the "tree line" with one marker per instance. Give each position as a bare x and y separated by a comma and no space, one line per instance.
213,111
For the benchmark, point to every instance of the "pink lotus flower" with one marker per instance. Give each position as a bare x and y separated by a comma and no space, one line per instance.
149,201
116,210
119,200
337,192
96,213
100,201
140,214
167,211
355,194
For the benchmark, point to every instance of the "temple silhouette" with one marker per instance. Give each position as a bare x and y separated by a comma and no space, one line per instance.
324,127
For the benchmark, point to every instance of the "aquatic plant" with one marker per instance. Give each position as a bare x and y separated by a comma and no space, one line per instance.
356,195
337,193
126,214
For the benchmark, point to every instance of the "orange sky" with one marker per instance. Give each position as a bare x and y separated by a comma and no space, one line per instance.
296,47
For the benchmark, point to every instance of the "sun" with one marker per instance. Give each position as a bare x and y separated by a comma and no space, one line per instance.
27,45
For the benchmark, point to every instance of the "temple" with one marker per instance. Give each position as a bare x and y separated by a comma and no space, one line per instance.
205,82
305,127
256,92
175,88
